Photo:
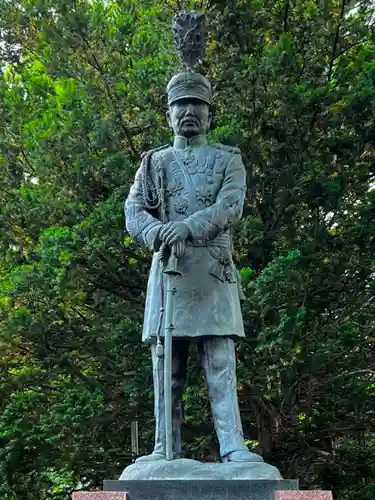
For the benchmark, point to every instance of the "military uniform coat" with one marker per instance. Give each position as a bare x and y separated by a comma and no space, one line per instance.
204,186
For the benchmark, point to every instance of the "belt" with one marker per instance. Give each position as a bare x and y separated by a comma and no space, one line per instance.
222,240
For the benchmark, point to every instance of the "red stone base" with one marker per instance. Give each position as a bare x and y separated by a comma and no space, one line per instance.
99,495
303,495
279,495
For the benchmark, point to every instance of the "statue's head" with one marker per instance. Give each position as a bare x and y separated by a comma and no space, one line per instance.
189,117
189,99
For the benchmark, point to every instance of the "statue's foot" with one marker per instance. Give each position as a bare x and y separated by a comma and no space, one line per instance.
242,456
156,455
152,458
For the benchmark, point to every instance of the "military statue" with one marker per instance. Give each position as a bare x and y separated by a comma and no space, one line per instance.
185,199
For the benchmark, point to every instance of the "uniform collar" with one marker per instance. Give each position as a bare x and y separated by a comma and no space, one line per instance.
181,142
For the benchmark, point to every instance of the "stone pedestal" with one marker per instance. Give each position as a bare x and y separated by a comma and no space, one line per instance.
303,495
187,469
212,490
189,489
191,480
186,479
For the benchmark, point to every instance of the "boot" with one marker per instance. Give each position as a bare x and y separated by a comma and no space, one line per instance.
219,365
180,349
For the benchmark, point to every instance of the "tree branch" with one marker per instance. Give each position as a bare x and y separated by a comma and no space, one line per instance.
100,69
286,12
349,374
336,40
27,160
94,63
174,9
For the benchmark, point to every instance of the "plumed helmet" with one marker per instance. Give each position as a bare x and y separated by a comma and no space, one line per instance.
189,32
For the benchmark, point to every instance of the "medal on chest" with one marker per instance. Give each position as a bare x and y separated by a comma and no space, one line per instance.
189,160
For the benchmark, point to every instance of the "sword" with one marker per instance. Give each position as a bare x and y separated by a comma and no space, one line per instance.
171,271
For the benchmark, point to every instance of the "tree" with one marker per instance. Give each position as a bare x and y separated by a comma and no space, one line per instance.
82,88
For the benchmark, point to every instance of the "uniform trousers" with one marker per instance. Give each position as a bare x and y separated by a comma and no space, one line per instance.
218,361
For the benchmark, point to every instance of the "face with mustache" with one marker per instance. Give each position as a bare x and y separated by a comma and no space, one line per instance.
189,117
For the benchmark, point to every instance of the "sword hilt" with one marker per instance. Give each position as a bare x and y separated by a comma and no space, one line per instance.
172,266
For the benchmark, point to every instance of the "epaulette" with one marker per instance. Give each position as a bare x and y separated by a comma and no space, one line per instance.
151,151
230,149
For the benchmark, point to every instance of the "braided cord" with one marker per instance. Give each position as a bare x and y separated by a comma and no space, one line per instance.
153,202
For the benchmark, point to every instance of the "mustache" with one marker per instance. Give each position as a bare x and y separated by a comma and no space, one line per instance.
190,119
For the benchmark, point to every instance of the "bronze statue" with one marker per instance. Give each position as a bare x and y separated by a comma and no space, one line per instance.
184,201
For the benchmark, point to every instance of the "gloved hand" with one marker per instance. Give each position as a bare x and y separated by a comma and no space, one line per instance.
174,232
179,249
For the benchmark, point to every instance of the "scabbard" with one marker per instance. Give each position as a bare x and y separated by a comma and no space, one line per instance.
168,333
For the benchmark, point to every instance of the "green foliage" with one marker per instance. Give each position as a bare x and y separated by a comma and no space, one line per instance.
82,95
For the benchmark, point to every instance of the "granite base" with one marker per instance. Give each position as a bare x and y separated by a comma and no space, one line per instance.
240,489
303,495
99,495
279,495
